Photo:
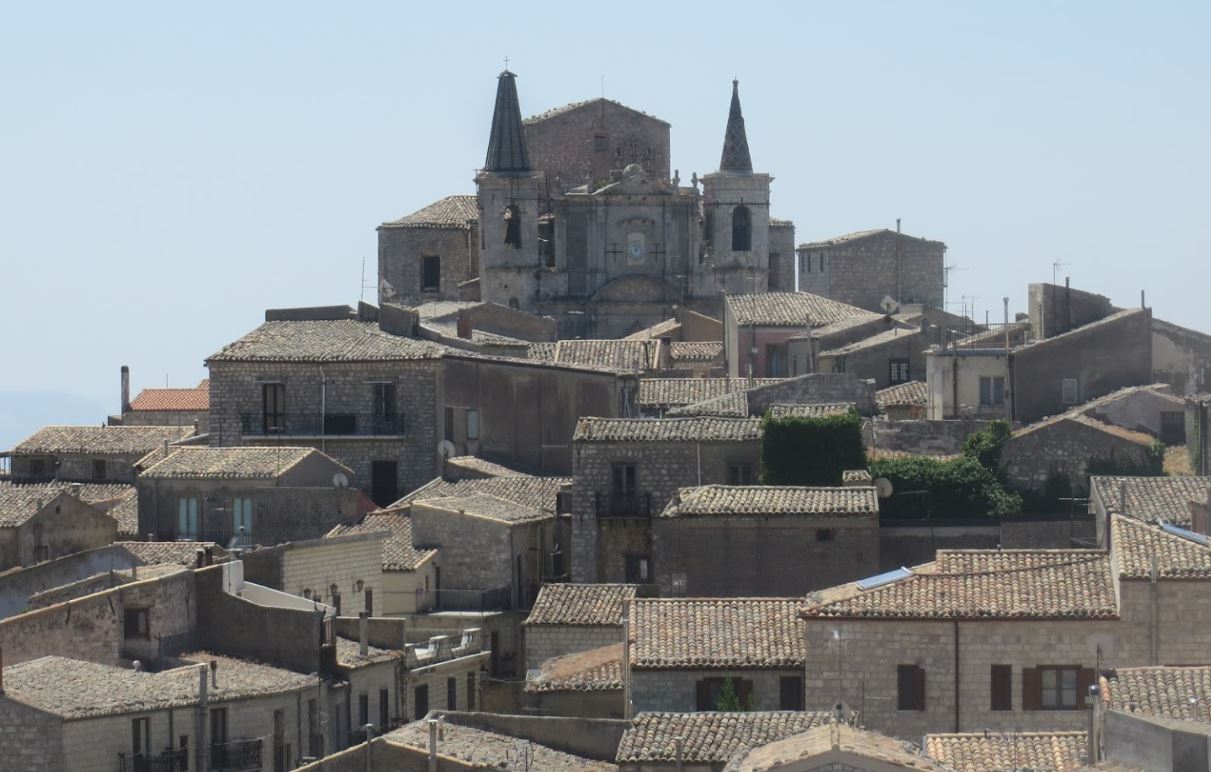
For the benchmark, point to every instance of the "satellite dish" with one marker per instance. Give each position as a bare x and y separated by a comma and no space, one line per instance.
889,304
884,487
339,480
446,449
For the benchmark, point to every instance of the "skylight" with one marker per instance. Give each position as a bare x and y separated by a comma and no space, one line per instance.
1186,534
871,582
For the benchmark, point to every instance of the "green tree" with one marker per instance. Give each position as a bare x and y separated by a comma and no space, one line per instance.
811,451
985,445
729,701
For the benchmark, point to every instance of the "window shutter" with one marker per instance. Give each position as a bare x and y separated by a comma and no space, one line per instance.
1032,689
1002,687
919,689
744,692
1085,678
704,695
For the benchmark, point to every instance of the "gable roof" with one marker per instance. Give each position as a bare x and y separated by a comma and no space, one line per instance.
398,552
831,738
711,633
818,410
1182,693
734,405
120,440
695,351
1151,499
902,394
706,429
997,752
764,500
790,309
474,748
873,341
487,507
984,584
19,503
535,492
581,604
1075,419
627,355
325,340
249,463
1135,543
555,112
671,392
171,400
594,670
458,212
845,238
180,553
708,737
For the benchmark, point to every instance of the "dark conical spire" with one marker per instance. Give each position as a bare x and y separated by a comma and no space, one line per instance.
507,144
735,142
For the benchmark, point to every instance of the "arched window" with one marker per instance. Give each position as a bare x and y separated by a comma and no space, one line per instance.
513,227
742,229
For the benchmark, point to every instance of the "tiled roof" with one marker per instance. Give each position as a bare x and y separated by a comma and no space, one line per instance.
18,503
657,330
181,553
855,475
854,236
774,222
1151,499
1182,693
630,355
734,405
580,604
1008,752
553,112
696,350
335,340
708,737
708,500
349,654
126,511
702,633
481,466
73,688
985,584
902,394
671,392
544,350
534,492
398,552
118,500
124,440
790,309
228,463
706,429
488,507
1136,543
873,341
595,670
829,738
481,749
1139,438
820,410
449,212
172,399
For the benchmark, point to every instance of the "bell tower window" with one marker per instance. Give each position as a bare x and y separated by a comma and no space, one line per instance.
513,227
742,229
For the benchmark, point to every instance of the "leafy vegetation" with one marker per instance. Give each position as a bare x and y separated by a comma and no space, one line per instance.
936,489
811,451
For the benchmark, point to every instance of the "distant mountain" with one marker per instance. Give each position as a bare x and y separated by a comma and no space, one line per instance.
21,413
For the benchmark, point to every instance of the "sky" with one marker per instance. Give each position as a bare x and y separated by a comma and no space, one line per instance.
170,170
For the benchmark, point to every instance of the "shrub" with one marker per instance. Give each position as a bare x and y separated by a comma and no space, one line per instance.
811,451
985,445
930,488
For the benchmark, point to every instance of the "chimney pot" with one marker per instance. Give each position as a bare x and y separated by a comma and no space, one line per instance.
464,326
125,389
214,673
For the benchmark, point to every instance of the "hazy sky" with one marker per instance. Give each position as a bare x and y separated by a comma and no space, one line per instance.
168,171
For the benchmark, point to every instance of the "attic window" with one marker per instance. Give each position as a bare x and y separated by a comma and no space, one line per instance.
513,227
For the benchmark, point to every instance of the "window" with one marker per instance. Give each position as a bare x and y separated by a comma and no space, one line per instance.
742,229
471,690
807,263
472,424
383,417
241,519
449,423
709,690
98,469
134,623
384,709
1173,427
340,423
1069,391
638,569
839,364
775,271
183,744
369,602
273,407
775,360
513,227
451,694
140,739
601,142
37,467
992,390
430,273
1001,687
623,481
898,371
1055,687
790,693
420,699
546,239
187,519
910,687
363,709
739,474
824,534
218,726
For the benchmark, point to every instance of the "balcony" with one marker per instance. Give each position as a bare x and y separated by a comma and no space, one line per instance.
622,506
167,761
330,425
241,755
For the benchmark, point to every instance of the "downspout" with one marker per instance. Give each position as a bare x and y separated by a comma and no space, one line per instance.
957,678
323,410
200,719
626,659
1154,632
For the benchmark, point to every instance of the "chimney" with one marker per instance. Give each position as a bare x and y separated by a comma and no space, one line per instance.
432,745
363,633
214,673
199,558
464,326
1200,515
125,390
665,353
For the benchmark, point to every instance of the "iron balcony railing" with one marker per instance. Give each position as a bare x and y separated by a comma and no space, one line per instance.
332,424
633,505
166,761
241,755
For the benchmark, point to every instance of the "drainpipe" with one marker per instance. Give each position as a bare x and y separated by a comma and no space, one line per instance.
200,743
626,659
1154,638
957,678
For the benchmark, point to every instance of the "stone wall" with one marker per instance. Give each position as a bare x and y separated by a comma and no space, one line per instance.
781,256
920,437
814,388
546,641
312,568
1064,448
780,556
401,251
1149,742
63,526
436,678
913,543
874,362
1138,410
1054,309
676,690
76,467
1181,357
16,587
862,271
33,740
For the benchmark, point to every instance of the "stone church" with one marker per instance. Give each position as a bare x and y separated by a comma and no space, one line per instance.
577,217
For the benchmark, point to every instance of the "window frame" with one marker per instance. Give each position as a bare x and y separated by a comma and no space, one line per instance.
740,473
910,687
992,391
188,520
1057,691
790,692
742,229
273,407
241,515
898,370
136,624
430,268
472,419
100,469
1067,384
637,567
1000,687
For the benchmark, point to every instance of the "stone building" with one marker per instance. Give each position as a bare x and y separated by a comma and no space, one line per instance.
1198,433
682,651
749,541
409,574
889,358
1148,499
627,469
576,216
570,618
709,740
864,267
835,746
586,684
476,741
982,751
658,395
1152,409
903,402
344,572
98,454
252,495
164,407
757,327
41,522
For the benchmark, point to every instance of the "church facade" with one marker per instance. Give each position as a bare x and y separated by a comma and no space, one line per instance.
576,216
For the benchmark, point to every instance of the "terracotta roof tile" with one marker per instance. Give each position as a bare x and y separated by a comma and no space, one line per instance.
1151,499
1136,543
734,405
488,507
708,737
671,392
706,429
123,440
229,463
696,351
450,212
19,503
657,330
1182,693
994,752
534,492
819,410
480,749
335,340
580,604
172,399
480,466
702,633
595,670
827,738
856,235
912,393
180,553
790,309
398,552
763,500
880,339
628,355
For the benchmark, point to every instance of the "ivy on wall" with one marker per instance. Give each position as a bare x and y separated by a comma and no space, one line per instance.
811,451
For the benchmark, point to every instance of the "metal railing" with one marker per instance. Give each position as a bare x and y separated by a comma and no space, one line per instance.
243,755
166,761
622,505
332,424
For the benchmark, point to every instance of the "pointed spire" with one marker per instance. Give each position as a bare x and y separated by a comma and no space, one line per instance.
507,144
735,141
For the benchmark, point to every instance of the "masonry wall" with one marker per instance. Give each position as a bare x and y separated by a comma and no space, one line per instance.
595,704
546,641
1147,742
953,379
1056,309
1139,411
925,437
77,467
400,254
1064,449
676,690
198,418
814,389
778,556
781,256
406,592
18,586
313,568
436,678
661,468
476,553
874,362
910,543
33,740
65,525
1181,357
863,271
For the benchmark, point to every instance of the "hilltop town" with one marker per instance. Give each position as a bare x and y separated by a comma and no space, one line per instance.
617,473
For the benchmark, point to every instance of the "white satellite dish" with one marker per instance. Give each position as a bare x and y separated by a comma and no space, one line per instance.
889,304
339,480
884,487
446,449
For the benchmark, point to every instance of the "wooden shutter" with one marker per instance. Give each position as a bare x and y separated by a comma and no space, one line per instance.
791,696
704,695
1032,689
1002,687
919,689
744,692
1085,678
